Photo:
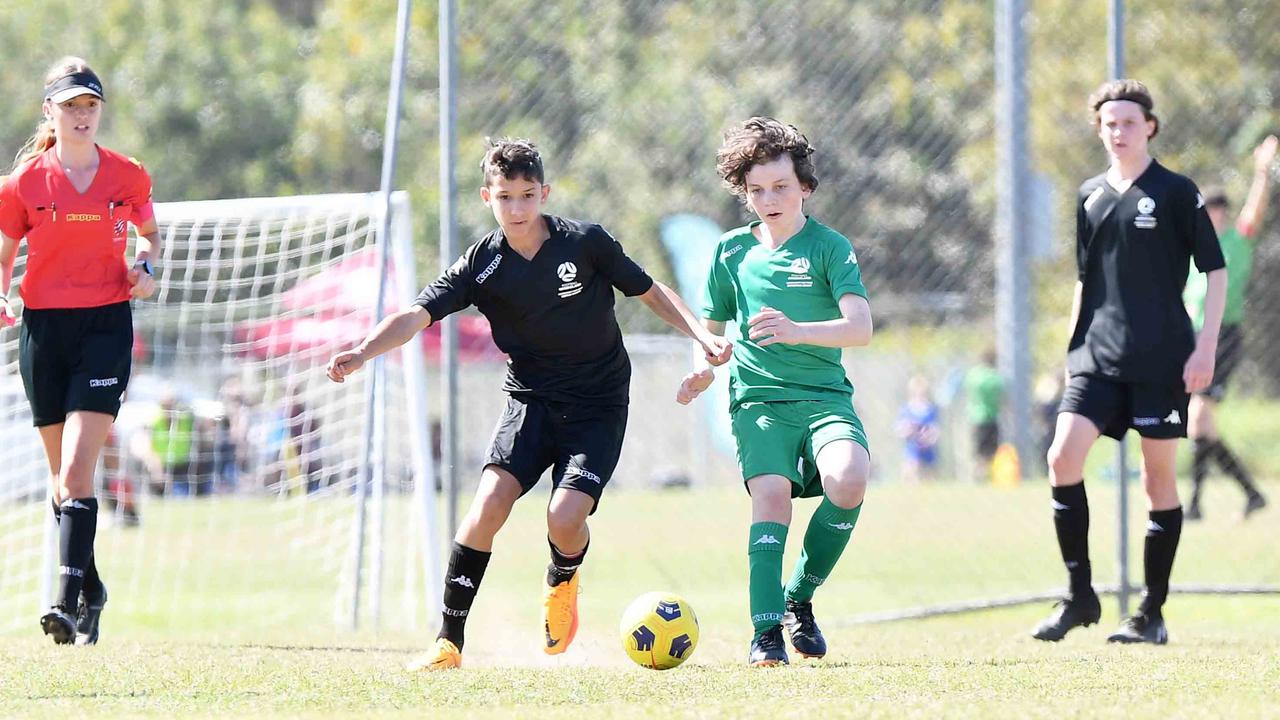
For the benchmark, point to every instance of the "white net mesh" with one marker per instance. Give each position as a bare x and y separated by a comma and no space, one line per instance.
234,466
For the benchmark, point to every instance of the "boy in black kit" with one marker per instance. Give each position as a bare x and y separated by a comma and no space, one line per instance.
546,285
1133,358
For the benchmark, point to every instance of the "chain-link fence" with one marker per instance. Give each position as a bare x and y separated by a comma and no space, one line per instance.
628,100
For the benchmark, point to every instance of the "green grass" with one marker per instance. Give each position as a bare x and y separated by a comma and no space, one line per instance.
261,642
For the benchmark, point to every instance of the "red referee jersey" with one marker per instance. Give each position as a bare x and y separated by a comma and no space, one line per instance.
75,241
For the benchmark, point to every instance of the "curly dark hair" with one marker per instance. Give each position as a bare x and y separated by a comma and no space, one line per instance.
763,140
511,158
1127,89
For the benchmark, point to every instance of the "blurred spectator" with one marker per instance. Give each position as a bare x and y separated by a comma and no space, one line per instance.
984,392
231,437
1048,394
118,487
304,440
919,427
170,457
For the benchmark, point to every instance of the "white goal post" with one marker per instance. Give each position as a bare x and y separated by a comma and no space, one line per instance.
232,487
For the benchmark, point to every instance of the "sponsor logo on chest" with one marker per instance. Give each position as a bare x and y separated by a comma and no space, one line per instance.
569,285
798,273
484,274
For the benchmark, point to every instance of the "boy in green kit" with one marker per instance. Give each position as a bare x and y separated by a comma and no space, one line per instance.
794,288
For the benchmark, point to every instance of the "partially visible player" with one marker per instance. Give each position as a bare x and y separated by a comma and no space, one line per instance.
72,201
546,284
1133,358
1237,248
794,288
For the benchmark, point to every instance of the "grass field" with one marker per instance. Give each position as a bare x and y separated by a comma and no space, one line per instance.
201,649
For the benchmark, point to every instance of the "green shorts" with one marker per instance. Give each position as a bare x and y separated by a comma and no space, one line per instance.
783,438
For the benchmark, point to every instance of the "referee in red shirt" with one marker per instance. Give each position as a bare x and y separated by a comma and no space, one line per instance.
72,202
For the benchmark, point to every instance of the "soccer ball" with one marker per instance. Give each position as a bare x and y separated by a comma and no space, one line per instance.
659,630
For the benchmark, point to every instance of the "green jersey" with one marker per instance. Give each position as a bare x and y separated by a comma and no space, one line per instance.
1237,250
984,388
804,279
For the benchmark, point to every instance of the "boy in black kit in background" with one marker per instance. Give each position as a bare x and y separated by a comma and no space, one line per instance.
1133,359
546,285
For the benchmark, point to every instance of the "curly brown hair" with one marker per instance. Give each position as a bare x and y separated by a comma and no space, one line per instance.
762,140
511,158
1127,89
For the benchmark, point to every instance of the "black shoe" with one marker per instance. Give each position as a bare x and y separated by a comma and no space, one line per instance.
87,617
1255,503
60,625
768,648
1192,513
1141,629
1069,613
806,638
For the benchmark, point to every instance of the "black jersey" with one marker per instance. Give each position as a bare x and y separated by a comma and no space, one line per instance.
1133,250
552,315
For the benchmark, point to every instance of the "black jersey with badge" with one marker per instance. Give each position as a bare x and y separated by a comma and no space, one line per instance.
1134,249
552,315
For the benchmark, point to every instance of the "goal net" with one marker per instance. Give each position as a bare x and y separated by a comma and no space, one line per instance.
234,489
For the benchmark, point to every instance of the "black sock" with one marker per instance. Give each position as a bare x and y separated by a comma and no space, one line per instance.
92,584
562,568
466,570
1071,520
1200,451
1163,531
1232,466
77,528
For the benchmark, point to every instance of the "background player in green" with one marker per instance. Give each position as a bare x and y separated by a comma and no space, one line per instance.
1237,248
794,289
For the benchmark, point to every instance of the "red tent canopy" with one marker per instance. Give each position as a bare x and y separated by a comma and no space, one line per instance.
338,303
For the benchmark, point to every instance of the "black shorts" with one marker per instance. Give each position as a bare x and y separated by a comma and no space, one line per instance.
580,443
1157,411
1230,353
986,439
75,359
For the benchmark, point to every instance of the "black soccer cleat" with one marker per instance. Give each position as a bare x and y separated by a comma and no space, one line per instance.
1069,613
87,616
1255,503
806,638
768,648
1141,629
58,624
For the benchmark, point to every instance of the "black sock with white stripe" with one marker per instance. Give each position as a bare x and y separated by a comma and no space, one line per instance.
466,570
1071,521
562,566
1164,527
77,528
92,585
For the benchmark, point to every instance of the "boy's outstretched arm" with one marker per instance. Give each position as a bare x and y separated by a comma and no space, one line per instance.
394,330
703,374
666,304
853,329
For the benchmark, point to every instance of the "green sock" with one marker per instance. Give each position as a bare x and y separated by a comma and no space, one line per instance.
764,555
824,540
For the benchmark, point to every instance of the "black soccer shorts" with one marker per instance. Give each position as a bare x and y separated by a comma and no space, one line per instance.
580,443
1157,411
75,359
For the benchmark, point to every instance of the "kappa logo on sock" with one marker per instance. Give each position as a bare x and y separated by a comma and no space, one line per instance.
766,617
68,570
74,504
1072,564
814,579
455,613
767,540
1059,505
464,581
842,526
1153,526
